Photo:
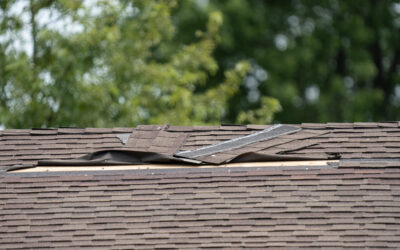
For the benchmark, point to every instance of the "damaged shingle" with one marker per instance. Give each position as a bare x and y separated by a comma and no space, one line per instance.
25,147
123,137
350,203
269,133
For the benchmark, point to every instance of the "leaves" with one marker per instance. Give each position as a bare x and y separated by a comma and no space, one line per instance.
112,63
341,50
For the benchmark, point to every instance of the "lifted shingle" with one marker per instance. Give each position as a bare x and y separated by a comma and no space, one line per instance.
271,132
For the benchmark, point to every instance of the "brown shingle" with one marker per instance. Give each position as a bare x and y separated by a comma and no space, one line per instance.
151,127
337,125
71,130
313,125
257,127
43,131
98,130
233,127
352,205
206,216
348,140
388,124
365,125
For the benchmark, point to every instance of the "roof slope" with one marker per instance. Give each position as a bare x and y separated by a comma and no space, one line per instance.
348,141
354,203
213,208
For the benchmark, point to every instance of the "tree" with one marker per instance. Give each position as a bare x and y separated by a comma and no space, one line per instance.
113,63
328,60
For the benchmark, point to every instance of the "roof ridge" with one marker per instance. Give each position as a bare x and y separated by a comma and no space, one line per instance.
350,140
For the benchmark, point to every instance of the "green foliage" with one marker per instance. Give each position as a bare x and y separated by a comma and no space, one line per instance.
199,62
328,60
268,106
121,66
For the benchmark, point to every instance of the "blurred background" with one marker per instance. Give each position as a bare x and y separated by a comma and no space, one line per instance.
98,63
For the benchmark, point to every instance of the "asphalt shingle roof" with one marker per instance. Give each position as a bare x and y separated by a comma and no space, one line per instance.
354,204
231,208
344,140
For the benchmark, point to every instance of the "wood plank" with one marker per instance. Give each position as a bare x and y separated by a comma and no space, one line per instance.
172,166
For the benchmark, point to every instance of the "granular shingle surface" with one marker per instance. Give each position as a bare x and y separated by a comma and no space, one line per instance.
330,140
230,208
355,204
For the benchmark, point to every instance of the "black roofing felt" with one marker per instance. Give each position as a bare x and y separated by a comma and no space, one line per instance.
262,157
114,157
130,157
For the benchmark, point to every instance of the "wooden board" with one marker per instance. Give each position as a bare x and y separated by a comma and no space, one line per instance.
170,166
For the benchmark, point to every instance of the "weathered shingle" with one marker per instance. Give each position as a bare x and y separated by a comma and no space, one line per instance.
217,208
352,205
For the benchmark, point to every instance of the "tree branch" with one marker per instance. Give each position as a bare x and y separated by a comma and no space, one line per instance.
33,12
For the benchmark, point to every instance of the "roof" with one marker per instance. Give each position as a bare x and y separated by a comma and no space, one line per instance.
353,203
320,141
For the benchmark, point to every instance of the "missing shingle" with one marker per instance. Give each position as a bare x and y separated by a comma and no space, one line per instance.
269,133
123,137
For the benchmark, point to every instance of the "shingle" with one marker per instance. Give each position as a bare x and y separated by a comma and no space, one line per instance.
43,131
15,132
122,130
269,143
71,130
337,125
365,125
388,124
296,145
169,134
214,138
146,134
218,133
257,127
205,128
151,127
233,127
98,130
313,125
179,128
